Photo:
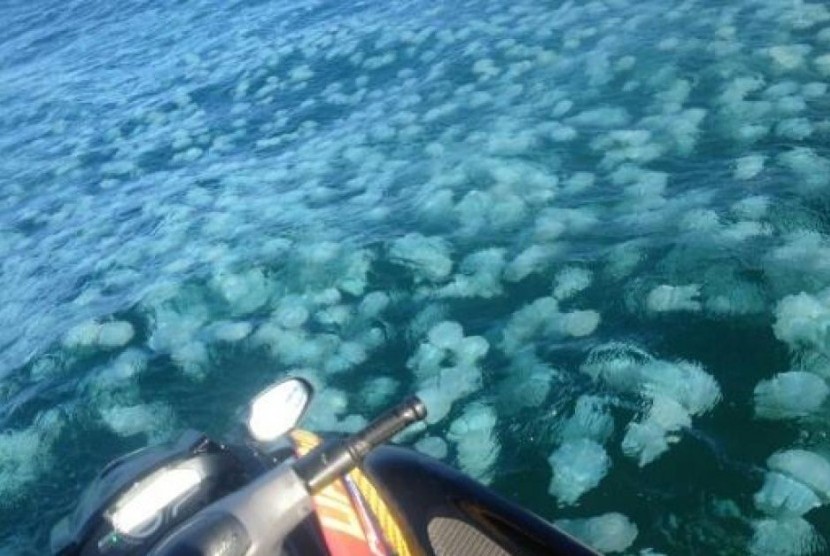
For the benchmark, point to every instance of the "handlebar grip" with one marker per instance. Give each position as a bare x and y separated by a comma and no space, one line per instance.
334,458
387,425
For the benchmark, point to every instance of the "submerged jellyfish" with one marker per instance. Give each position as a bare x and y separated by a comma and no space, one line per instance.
665,298
476,442
790,395
807,467
789,536
782,496
590,420
611,532
578,466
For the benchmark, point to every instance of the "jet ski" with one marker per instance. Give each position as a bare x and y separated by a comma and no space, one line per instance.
284,491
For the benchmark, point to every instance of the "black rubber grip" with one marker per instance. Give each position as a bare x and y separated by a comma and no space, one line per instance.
382,429
334,458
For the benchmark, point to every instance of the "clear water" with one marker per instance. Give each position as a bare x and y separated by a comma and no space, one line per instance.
199,198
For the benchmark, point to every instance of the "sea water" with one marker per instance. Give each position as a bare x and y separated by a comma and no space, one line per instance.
593,236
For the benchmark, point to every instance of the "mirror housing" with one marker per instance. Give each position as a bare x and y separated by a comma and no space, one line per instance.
277,409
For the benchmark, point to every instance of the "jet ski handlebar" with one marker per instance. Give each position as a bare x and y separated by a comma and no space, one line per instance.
254,520
338,456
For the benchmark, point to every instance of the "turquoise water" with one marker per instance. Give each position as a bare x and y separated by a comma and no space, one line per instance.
593,236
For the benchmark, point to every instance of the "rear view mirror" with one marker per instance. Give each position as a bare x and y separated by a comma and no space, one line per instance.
277,409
